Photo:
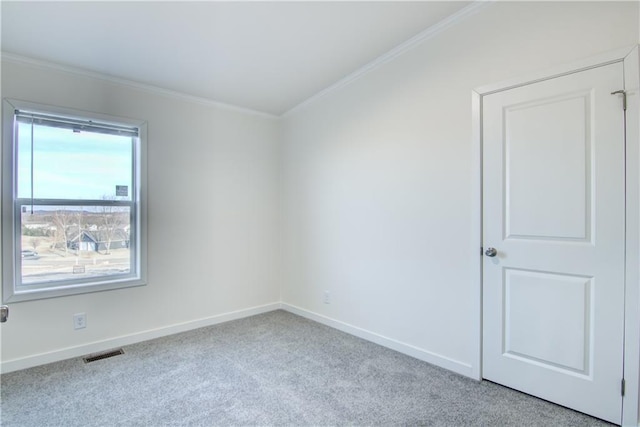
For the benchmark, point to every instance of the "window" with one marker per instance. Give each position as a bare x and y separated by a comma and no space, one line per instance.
72,202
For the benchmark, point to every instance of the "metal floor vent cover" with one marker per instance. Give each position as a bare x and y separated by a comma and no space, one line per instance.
103,355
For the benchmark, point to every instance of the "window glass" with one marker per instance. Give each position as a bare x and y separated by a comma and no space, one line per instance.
74,243
70,164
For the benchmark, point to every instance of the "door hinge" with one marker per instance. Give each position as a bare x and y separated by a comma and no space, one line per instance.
624,98
622,387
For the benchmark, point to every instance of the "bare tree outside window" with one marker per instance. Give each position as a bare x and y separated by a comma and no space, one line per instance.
77,229
112,222
62,220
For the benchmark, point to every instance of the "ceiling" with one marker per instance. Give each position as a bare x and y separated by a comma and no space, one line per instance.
264,56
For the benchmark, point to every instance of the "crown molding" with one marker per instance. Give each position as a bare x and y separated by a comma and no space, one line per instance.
413,42
11,57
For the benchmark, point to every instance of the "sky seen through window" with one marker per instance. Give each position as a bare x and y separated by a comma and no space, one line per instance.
72,165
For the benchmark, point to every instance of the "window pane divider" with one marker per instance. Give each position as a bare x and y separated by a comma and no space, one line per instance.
65,202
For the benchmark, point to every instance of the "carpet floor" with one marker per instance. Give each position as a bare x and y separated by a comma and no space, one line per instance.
272,369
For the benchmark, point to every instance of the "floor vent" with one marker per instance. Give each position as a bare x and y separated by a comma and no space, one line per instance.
104,355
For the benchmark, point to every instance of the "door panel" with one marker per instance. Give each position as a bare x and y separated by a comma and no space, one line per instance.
553,207
556,337
560,192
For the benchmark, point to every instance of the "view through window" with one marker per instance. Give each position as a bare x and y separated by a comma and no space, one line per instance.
76,206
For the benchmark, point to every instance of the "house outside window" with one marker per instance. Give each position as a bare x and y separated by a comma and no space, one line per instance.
72,203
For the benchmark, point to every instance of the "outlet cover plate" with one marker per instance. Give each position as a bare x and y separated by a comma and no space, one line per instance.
79,321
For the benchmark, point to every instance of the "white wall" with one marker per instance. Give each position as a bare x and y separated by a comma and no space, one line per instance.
378,175
213,223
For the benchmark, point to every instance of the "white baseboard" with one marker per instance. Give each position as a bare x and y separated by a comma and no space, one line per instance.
98,346
424,355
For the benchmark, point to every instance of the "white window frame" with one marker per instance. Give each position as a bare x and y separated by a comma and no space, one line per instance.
12,289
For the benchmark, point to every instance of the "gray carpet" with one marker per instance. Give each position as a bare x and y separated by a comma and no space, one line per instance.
271,369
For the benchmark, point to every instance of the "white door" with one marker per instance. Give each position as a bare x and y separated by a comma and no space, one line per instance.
553,209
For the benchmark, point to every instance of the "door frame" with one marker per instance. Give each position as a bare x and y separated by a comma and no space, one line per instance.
630,56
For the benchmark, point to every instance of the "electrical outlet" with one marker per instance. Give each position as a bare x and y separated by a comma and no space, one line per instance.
79,321
326,298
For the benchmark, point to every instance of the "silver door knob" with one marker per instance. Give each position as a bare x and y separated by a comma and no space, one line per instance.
4,313
491,252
